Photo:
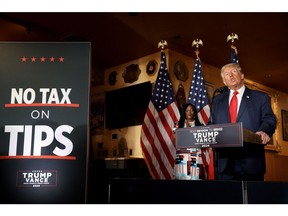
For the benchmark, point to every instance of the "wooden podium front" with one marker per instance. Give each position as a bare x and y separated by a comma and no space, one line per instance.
215,136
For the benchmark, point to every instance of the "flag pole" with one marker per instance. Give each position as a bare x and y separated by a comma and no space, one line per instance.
162,45
231,37
196,43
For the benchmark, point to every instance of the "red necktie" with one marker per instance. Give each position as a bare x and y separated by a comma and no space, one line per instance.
233,107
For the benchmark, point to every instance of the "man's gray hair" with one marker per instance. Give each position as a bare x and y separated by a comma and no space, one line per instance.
234,65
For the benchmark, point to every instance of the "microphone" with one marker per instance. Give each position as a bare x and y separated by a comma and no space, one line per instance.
222,89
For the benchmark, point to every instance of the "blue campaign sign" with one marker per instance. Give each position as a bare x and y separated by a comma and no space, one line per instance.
44,122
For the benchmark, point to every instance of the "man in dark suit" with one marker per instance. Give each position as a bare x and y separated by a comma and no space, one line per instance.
253,109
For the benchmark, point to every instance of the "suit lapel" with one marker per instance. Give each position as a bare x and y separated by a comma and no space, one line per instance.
225,106
244,103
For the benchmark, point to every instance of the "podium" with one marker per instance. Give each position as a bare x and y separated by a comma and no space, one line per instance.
215,136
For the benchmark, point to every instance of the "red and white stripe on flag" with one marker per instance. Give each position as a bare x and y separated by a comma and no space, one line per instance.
157,140
204,114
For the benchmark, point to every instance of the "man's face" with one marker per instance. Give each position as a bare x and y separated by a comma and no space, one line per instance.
232,78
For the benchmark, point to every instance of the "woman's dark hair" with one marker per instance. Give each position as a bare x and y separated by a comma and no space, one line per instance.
183,116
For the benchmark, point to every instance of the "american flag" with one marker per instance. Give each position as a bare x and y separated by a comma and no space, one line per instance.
233,56
198,94
199,98
157,137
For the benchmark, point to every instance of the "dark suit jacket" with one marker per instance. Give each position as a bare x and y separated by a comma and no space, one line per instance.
256,114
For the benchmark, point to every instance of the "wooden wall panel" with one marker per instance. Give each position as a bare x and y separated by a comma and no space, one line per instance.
276,167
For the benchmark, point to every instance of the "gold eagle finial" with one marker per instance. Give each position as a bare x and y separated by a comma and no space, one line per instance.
162,44
232,37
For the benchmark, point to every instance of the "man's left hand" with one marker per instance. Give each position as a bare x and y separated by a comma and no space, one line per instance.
264,137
